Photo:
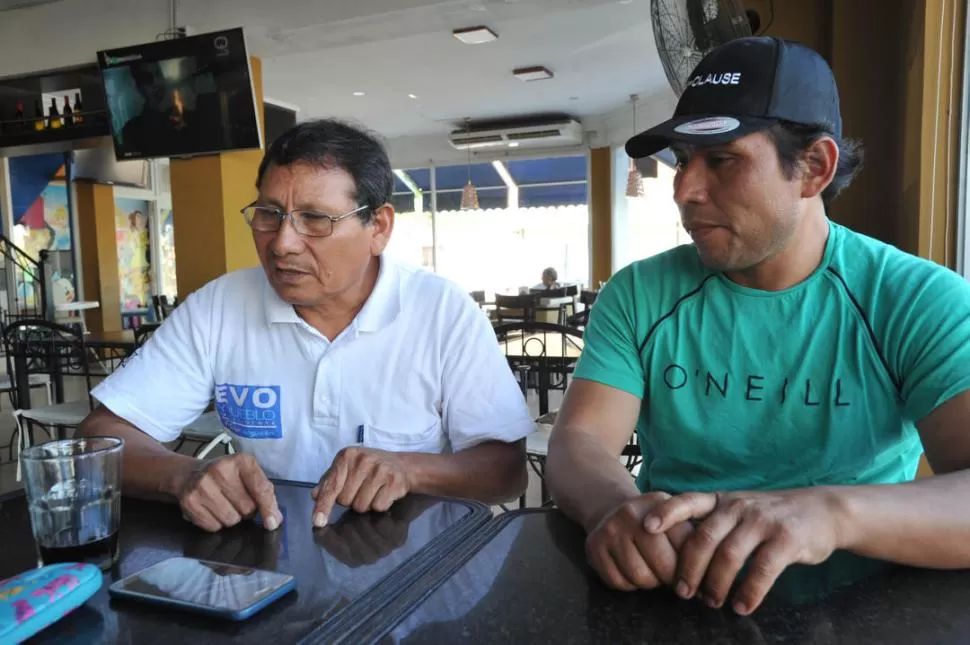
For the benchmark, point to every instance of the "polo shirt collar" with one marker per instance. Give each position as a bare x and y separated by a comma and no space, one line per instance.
380,310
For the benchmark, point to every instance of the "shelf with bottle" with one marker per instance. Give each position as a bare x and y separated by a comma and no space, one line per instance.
56,124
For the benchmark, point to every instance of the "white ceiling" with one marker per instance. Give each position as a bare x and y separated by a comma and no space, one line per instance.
316,55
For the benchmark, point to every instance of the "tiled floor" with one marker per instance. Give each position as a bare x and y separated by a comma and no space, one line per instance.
8,468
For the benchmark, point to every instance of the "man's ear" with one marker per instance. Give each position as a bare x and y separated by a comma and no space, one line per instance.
383,225
819,163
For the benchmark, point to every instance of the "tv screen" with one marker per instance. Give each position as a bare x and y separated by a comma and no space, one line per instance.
181,97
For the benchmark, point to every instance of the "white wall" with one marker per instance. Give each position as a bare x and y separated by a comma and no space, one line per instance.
71,32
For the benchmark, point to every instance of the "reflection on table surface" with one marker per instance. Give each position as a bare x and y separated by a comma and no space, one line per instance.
540,590
333,566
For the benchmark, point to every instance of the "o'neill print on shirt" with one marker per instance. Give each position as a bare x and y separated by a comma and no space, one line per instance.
250,411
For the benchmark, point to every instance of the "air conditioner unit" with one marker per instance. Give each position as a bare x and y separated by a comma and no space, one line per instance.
536,132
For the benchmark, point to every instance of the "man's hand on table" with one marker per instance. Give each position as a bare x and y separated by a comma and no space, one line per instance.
767,531
364,479
625,555
220,493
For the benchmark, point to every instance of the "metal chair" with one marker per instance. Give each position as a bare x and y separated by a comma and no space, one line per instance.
521,308
37,347
209,432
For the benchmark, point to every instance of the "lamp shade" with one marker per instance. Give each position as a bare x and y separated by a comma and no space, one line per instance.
469,197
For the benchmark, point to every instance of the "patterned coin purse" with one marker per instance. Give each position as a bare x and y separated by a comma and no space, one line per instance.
35,599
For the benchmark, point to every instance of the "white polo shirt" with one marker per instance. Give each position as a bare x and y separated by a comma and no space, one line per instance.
418,370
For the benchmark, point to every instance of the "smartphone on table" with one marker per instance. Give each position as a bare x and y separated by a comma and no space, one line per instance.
210,588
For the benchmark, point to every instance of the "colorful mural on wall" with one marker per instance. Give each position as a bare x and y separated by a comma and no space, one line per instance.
45,225
134,255
166,255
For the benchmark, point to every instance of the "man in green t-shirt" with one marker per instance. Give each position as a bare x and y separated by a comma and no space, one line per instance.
783,373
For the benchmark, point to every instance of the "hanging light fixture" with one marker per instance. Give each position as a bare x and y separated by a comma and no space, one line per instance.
634,180
469,194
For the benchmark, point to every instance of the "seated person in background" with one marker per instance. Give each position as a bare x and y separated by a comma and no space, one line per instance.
330,363
550,280
783,373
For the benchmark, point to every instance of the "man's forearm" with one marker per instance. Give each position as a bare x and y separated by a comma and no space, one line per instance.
491,472
924,523
586,481
149,470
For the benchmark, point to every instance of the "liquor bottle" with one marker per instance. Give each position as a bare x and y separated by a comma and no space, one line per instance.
78,109
67,112
40,123
55,117
18,118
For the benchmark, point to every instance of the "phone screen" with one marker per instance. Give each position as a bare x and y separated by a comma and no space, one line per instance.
208,584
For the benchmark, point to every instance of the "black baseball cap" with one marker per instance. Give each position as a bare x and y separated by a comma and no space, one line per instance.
747,85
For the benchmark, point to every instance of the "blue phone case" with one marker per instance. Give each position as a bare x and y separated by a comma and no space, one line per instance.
38,598
118,590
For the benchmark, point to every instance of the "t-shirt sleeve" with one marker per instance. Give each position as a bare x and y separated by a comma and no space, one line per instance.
610,352
167,383
932,339
481,400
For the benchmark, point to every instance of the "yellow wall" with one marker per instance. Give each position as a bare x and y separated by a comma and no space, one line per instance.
600,215
99,255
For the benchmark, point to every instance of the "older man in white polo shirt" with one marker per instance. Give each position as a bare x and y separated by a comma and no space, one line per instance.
329,364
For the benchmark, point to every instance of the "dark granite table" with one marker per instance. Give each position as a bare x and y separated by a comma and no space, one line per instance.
345,573
524,579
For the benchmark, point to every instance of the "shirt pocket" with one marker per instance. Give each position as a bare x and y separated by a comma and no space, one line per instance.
405,437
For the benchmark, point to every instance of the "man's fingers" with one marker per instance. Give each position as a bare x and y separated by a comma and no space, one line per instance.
698,550
767,564
364,500
385,498
210,496
195,512
678,534
659,556
327,490
633,566
238,495
679,509
602,563
261,490
359,471
729,559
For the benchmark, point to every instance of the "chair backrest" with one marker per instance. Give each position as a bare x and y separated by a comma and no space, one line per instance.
38,346
521,308
560,292
547,350
588,297
478,296
162,307
144,332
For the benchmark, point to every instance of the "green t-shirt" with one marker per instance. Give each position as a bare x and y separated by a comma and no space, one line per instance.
818,384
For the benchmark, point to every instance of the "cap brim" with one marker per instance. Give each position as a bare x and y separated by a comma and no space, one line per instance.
690,129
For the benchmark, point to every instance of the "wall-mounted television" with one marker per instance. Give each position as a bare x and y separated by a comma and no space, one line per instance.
181,97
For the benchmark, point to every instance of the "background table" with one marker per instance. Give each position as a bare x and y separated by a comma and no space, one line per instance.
539,589
345,572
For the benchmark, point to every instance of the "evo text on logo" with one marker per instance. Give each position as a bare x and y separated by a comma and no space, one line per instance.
250,411
715,79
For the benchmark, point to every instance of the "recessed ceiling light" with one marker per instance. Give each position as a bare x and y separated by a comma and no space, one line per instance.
513,144
358,93
536,73
475,35
412,96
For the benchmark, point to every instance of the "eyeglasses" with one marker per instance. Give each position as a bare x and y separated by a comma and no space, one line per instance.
267,219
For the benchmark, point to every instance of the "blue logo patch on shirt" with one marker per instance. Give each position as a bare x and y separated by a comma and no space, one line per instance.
250,411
